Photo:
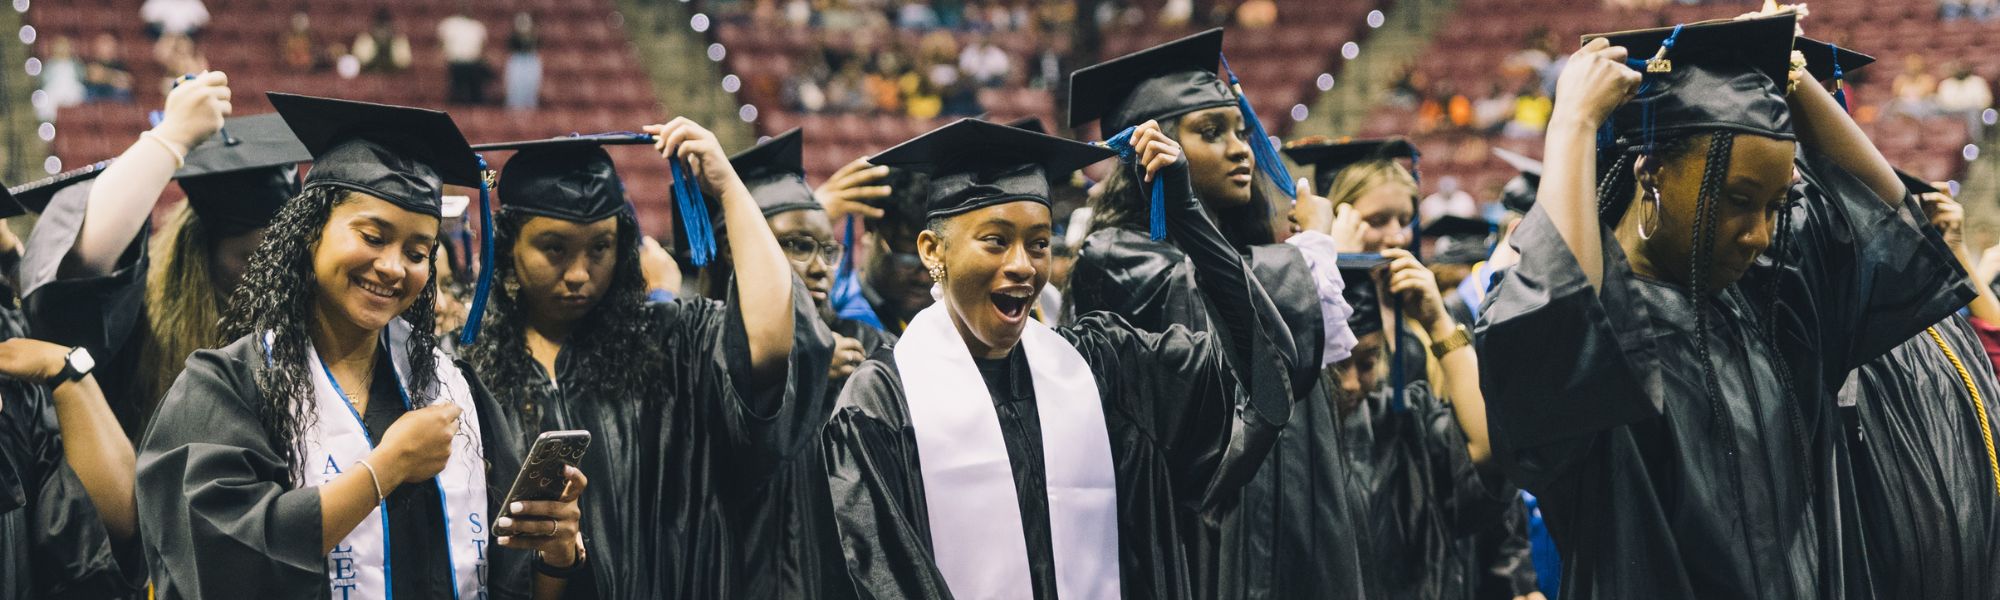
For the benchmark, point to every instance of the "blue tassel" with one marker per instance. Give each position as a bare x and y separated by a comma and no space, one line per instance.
1128,155
1417,168
471,332
1839,79
699,232
1260,141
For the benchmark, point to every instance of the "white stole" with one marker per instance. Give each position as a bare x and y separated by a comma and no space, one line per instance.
337,439
975,515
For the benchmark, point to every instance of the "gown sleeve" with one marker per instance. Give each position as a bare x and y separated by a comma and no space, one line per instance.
876,484
1559,360
1322,262
757,423
1868,276
97,312
71,554
220,516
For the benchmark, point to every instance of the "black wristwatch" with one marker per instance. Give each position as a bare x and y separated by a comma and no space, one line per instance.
76,365
544,568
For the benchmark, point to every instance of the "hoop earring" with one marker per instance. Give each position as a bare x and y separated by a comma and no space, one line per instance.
1649,211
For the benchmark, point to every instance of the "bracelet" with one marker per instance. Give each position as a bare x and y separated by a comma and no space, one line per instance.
1459,338
180,154
377,480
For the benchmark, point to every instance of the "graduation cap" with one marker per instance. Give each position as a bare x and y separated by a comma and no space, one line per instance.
1170,80
399,154
238,184
35,196
1459,240
1714,75
775,172
1828,62
1329,157
1518,196
974,164
569,177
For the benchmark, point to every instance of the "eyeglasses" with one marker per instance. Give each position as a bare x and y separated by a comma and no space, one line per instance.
802,250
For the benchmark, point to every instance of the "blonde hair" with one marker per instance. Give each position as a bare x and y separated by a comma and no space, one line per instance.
183,312
1358,179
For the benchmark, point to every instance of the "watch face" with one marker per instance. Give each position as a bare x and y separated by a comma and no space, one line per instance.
81,360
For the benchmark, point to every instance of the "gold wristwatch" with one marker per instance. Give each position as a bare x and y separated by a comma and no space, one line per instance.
1459,338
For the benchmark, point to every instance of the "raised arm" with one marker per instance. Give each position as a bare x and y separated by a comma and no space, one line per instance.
1824,126
1416,288
125,192
763,275
1594,83
94,444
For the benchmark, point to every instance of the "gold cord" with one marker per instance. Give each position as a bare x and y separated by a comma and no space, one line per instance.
1978,406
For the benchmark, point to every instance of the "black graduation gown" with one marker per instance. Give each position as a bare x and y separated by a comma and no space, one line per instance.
1291,533
1596,400
874,342
1423,499
52,542
1191,417
105,314
694,492
1505,556
1929,510
219,517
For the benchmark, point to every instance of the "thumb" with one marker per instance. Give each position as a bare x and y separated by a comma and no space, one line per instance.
1306,185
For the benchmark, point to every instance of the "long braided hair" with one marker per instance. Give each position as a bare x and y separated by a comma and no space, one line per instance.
610,345
1616,191
276,297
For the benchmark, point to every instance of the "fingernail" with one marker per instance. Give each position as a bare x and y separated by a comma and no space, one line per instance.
504,522
516,507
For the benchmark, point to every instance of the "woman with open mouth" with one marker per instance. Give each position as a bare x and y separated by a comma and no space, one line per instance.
994,454
289,462
695,405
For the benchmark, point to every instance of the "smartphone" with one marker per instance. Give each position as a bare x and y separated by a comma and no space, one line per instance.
541,476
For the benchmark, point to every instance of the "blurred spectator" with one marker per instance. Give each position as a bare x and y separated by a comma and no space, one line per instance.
1449,199
62,75
1176,12
916,15
1913,89
105,77
1491,112
298,44
1256,14
1457,108
921,98
524,64
173,17
1965,95
383,48
1531,113
463,40
847,91
177,56
984,62
1951,10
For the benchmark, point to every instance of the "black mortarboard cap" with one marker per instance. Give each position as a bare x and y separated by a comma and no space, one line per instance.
237,184
1723,75
35,196
974,164
569,177
1518,195
775,172
397,153
1822,57
1327,158
1167,80
1358,272
1460,240
9,207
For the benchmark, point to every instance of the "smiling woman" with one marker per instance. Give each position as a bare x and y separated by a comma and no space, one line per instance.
333,404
